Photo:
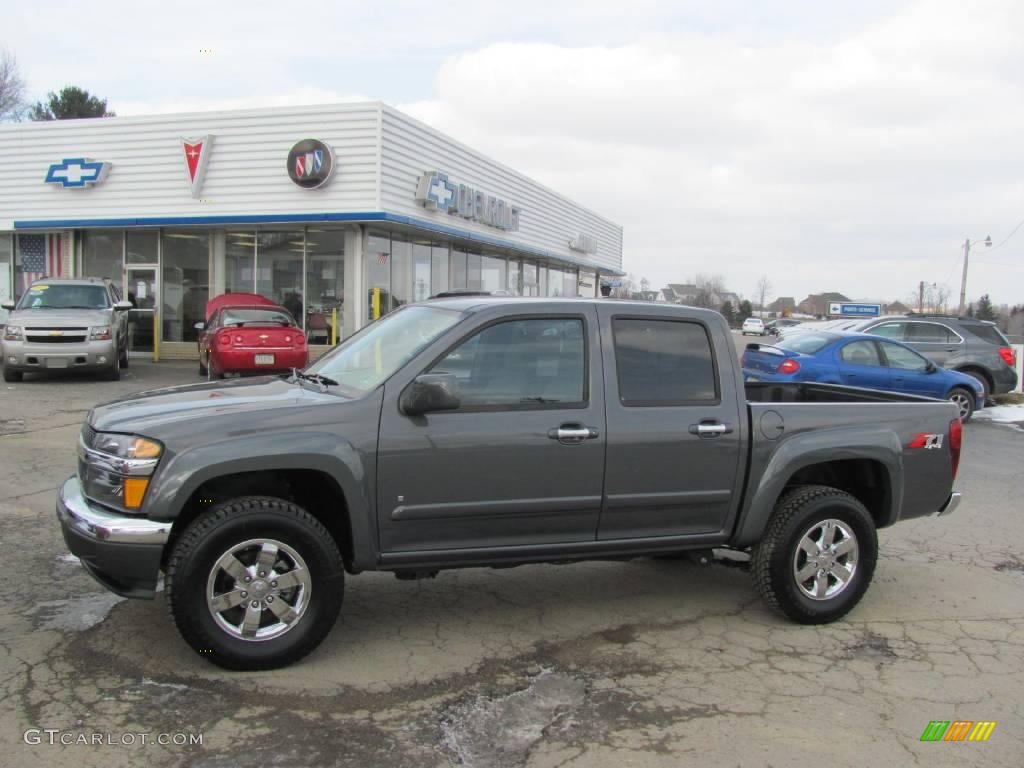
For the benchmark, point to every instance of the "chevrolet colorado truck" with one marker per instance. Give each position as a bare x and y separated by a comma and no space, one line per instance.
488,431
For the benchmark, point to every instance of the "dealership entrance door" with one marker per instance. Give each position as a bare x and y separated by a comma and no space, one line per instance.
141,290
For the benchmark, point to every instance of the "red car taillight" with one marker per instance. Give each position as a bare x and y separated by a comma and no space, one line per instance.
788,366
299,339
956,436
224,338
1008,355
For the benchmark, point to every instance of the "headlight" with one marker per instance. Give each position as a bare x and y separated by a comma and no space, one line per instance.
115,469
12,333
99,332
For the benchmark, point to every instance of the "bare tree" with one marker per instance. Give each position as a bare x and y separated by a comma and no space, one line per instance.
12,88
709,290
626,288
764,289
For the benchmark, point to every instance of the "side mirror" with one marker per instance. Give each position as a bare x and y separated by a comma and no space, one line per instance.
123,306
430,392
931,368
7,304
199,326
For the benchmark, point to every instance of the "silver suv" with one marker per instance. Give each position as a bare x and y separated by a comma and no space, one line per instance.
965,344
63,323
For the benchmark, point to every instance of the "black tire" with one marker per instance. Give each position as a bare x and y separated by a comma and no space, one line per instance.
224,527
113,373
986,390
775,559
13,377
123,360
964,400
202,368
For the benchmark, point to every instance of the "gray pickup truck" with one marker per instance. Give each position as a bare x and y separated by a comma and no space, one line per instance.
486,431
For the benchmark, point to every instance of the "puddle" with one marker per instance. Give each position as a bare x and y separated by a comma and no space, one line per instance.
500,732
75,615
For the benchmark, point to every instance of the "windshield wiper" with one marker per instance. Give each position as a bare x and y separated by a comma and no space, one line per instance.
324,381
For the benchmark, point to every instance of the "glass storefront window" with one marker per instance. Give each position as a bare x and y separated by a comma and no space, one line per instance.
239,260
587,284
493,274
401,271
279,270
530,279
377,274
438,268
473,268
6,270
325,283
421,272
458,281
561,282
542,281
103,254
514,286
185,286
141,247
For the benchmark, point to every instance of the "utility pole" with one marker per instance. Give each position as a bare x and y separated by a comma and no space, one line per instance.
963,280
920,298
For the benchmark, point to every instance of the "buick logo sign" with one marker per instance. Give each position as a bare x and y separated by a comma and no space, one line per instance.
310,163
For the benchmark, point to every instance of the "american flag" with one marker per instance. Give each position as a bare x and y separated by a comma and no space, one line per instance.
382,258
41,256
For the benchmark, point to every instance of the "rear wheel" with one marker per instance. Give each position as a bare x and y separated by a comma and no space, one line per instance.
817,555
964,400
255,583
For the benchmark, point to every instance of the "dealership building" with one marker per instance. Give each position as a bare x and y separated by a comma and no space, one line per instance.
341,213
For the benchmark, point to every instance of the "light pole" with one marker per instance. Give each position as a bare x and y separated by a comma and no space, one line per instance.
963,280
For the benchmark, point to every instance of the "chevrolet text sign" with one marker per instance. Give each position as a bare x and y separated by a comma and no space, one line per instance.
437,193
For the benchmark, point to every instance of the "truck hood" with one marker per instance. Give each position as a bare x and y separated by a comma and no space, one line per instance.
145,411
59,318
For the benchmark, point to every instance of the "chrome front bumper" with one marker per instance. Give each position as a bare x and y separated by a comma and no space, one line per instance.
951,504
77,515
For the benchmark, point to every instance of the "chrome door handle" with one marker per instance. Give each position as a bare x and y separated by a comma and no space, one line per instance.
710,430
573,434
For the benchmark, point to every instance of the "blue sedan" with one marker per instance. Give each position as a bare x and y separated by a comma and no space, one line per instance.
860,360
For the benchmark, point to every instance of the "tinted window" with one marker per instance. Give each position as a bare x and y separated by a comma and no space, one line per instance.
932,332
661,362
889,330
807,343
989,333
860,353
903,358
520,364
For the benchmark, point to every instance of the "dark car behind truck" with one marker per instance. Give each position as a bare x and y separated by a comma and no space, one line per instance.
482,431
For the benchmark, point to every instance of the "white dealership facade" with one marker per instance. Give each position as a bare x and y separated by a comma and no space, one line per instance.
341,212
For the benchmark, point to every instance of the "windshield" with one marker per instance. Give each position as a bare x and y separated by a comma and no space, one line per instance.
809,343
367,359
256,317
56,296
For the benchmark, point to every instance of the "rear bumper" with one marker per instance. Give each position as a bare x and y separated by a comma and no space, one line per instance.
1004,380
244,360
951,504
121,552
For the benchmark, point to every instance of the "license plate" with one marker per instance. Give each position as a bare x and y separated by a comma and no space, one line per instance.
56,362
264,359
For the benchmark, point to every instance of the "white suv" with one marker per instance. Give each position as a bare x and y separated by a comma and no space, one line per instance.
753,325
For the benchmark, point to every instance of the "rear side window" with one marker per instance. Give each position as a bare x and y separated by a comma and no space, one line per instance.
521,364
931,332
889,331
663,362
989,333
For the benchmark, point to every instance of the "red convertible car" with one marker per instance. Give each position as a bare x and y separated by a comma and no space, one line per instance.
248,333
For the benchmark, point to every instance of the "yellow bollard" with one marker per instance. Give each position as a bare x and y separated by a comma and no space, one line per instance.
376,303
334,327
156,337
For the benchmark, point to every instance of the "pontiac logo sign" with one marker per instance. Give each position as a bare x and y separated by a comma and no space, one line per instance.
310,163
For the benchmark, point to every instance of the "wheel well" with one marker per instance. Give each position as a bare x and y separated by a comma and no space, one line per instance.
316,492
864,479
981,372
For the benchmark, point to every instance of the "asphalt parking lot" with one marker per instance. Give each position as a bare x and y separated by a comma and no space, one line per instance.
641,663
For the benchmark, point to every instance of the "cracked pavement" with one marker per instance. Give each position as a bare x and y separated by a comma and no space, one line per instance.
639,663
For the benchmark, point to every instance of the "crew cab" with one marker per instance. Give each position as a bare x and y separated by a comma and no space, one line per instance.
493,431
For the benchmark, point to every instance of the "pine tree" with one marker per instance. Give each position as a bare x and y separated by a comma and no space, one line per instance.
985,309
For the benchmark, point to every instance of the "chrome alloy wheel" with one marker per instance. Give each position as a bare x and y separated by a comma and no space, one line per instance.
963,402
825,559
258,589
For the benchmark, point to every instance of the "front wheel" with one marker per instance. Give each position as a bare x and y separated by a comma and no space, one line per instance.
817,555
963,400
12,377
255,583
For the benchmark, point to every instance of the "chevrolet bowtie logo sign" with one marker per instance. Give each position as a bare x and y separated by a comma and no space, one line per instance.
77,172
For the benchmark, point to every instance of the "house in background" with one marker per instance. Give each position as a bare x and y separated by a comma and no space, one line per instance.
784,305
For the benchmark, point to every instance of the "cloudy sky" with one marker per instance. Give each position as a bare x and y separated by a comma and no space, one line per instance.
847,146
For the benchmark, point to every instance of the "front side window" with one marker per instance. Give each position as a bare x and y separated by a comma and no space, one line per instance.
364,361
63,296
515,364
663,362
860,353
903,358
